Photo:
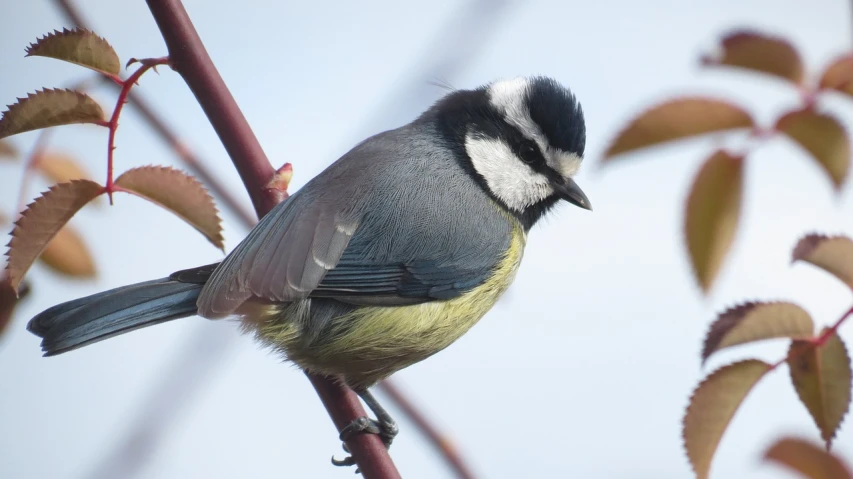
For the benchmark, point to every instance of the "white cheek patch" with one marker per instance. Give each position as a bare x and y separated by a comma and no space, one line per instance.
566,164
508,178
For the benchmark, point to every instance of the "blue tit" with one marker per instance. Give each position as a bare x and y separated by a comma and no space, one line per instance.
385,258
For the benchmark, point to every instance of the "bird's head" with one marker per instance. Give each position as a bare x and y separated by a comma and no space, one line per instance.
522,139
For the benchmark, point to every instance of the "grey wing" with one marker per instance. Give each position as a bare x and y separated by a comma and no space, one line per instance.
283,258
395,221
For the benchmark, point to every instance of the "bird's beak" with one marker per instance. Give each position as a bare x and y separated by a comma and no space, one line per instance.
571,192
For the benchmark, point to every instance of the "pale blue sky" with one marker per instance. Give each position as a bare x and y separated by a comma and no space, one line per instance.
582,371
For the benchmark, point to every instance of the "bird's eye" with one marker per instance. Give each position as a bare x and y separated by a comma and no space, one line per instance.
529,153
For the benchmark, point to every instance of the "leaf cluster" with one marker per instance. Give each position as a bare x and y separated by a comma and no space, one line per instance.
818,361
41,230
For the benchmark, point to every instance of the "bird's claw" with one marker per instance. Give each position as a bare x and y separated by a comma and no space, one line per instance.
360,425
386,431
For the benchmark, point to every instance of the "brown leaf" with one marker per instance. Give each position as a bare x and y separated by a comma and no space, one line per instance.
678,119
179,193
821,376
713,210
67,253
78,46
760,53
712,406
756,321
60,168
839,75
833,254
823,137
41,221
808,459
8,150
9,300
47,108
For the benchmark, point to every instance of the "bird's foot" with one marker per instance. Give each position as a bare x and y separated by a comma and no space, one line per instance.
386,430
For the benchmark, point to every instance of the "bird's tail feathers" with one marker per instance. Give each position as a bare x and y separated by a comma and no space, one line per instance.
84,321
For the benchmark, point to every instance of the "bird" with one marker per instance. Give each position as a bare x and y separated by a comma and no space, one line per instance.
387,256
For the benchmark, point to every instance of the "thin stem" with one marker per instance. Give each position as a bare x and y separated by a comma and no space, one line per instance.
823,338
126,86
434,436
190,59
186,155
818,341
32,161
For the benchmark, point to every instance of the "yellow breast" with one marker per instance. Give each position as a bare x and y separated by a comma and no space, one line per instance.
379,340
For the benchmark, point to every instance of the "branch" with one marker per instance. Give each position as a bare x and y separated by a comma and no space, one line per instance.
434,436
818,341
189,58
192,162
126,87
176,387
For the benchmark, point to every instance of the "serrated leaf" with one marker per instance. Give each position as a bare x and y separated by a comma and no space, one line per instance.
47,108
823,137
78,46
821,375
179,193
8,150
833,254
60,168
9,300
760,53
806,458
838,75
755,321
41,221
712,406
67,253
676,120
712,214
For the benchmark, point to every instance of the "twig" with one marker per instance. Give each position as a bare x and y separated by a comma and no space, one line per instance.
199,360
126,86
192,162
823,338
433,435
189,58
32,161
817,341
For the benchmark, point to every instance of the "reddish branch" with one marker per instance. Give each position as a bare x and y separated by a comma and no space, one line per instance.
189,58
823,338
817,341
187,156
433,435
126,86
